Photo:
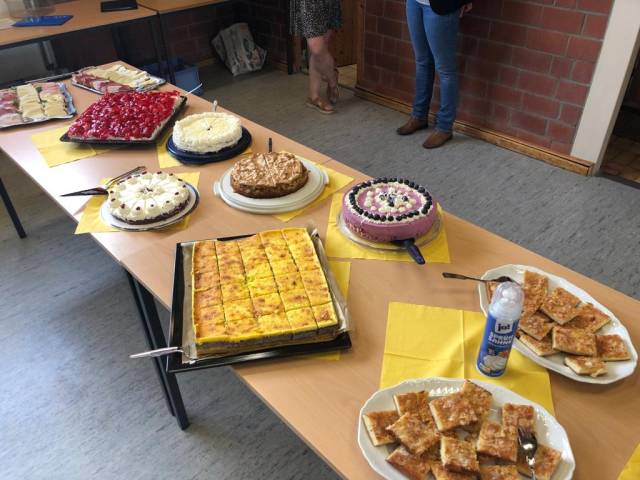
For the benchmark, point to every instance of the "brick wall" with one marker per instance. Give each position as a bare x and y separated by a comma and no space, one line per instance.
267,21
525,65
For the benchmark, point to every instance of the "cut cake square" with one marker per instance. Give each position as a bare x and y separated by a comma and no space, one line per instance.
535,290
416,435
479,398
294,299
498,441
440,473
452,411
458,455
238,310
589,318
231,276
561,305
213,314
262,286
325,316
571,340
204,263
318,296
234,291
289,281
227,248
309,264
249,244
205,280
499,472
312,279
296,235
206,298
211,333
537,325
376,424
542,347
302,322
612,348
414,402
283,267
519,416
414,467
257,269
244,330
275,326
205,248
267,304
272,237
592,366
278,253
547,461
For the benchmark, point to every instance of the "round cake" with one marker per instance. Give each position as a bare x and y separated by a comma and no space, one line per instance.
268,175
207,132
147,197
387,209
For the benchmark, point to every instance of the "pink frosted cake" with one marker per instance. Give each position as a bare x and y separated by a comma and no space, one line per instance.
386,209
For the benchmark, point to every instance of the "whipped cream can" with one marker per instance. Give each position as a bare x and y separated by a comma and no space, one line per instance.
502,322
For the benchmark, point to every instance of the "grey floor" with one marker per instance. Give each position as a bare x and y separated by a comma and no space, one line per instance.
72,406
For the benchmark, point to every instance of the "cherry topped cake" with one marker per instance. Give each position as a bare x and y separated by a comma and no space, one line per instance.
387,209
148,197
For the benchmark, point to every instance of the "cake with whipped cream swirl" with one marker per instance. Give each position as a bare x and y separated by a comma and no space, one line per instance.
268,175
148,197
207,132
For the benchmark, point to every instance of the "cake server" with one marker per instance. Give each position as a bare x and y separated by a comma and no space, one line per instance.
161,352
458,276
412,249
103,189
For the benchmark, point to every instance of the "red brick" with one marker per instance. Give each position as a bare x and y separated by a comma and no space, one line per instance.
547,41
369,57
468,45
375,7
536,83
508,76
494,51
572,92
568,21
566,3
530,60
372,41
405,83
595,26
559,147
491,9
583,49
532,138
541,105
520,12
407,67
476,67
479,27
394,10
386,61
582,72
505,95
600,6
508,33
570,114
561,132
388,27
478,106
528,122
389,45
404,49
561,67
370,23
473,86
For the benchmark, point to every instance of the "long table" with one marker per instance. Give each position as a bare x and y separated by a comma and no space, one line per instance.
320,400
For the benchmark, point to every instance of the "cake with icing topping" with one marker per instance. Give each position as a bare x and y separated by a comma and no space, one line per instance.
148,198
207,132
387,209
268,175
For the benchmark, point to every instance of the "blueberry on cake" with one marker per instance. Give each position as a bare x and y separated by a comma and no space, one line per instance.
147,198
387,209
207,132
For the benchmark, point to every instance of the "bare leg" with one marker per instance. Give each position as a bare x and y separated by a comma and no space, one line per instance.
321,67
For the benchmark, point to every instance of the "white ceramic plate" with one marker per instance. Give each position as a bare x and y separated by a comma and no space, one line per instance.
109,219
548,431
615,370
307,194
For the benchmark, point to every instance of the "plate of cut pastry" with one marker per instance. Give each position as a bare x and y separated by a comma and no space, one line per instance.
454,429
565,329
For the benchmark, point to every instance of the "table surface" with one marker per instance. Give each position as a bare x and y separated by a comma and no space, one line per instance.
320,400
168,6
86,14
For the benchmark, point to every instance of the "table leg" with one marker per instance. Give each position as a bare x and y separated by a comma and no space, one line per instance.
156,45
165,49
11,211
156,339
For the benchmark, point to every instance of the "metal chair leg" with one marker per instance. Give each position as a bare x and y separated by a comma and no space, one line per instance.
11,211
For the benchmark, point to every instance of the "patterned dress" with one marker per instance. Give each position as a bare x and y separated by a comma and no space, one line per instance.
314,18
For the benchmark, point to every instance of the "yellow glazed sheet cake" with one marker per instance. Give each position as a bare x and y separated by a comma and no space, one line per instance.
267,288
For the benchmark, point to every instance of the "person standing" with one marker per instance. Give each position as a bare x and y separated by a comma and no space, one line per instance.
315,20
433,26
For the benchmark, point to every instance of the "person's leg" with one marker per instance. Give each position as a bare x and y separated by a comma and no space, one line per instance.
332,81
424,69
321,67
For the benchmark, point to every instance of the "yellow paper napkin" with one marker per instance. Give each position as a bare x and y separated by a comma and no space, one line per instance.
91,222
337,245
341,271
631,470
56,152
337,181
423,341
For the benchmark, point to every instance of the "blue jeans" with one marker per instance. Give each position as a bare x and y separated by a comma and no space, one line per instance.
434,38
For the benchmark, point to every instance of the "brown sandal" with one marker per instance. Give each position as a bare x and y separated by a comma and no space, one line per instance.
320,105
333,93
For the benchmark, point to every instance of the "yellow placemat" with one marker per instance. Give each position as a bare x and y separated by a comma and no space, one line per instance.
337,245
342,272
631,471
423,341
165,159
91,222
56,152
337,181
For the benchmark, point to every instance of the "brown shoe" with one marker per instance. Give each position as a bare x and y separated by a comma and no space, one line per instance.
413,125
437,139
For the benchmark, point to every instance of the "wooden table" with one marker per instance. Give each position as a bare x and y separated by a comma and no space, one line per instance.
169,6
319,399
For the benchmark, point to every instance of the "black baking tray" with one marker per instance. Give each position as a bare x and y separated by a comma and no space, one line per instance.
174,362
151,141
190,158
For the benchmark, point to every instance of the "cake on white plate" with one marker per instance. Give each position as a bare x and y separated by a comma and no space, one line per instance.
207,132
148,197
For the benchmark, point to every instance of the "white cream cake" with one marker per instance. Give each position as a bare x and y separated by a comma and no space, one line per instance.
207,132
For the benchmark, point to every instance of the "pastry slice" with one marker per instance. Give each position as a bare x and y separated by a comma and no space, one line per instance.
272,237
499,472
479,398
294,299
234,291
275,326
204,263
211,333
542,347
206,298
377,423
537,325
589,318
262,286
416,435
231,275
238,310
296,235
440,473
571,340
458,456
227,248
592,366
278,253
414,467
325,317
612,348
206,248
257,269
414,402
547,461
282,267
318,296
212,314
289,281
519,416
535,290
498,441
205,280
561,305
302,322
267,304
244,330
452,411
